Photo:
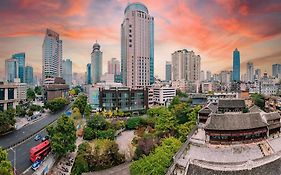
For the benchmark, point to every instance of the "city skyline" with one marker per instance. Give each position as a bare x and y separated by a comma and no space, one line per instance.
79,27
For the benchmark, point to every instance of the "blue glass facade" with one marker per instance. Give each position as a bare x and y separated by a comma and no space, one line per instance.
29,75
152,51
236,65
21,63
168,71
89,77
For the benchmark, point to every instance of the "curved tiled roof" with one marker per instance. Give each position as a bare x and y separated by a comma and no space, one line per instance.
240,121
233,103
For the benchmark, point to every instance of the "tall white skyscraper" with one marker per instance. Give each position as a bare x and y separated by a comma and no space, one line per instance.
186,65
52,55
137,46
11,69
250,72
67,71
114,66
96,63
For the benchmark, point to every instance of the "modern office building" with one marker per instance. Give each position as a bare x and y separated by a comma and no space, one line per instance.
202,75
276,70
236,65
250,72
257,74
8,96
137,46
113,66
89,74
29,75
163,95
168,71
51,55
67,71
185,66
21,62
11,69
96,63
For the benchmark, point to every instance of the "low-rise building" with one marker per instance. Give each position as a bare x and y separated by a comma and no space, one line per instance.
163,95
8,96
55,88
233,105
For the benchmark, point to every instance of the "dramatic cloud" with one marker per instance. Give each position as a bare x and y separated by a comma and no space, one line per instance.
212,29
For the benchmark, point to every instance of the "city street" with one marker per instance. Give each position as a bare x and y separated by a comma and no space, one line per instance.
24,133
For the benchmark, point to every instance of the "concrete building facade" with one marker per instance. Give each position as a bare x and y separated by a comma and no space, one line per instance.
51,55
96,63
137,46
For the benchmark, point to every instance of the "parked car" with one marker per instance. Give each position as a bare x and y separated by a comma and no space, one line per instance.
36,164
45,138
37,137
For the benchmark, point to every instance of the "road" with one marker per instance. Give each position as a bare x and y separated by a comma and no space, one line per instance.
17,136
22,154
27,141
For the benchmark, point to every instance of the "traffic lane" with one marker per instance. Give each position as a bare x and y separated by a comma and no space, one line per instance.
20,135
22,153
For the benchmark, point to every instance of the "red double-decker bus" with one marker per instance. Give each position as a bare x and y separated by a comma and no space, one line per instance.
40,151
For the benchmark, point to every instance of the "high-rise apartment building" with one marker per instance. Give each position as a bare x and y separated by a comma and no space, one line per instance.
276,70
186,65
52,55
11,69
208,75
67,71
202,75
250,72
29,75
113,66
21,68
236,65
168,71
89,74
96,63
137,46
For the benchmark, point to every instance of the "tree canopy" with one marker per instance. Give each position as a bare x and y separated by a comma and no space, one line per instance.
56,104
5,165
258,100
30,94
63,135
38,90
158,161
80,103
7,120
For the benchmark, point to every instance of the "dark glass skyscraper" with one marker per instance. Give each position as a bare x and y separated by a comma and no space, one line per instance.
236,65
29,75
21,63
89,74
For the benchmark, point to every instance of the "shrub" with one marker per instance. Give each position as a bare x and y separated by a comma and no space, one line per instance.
133,123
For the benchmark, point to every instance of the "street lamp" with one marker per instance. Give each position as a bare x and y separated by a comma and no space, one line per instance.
14,160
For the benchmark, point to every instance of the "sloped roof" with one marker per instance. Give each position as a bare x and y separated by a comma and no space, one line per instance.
231,103
239,121
209,108
272,116
255,108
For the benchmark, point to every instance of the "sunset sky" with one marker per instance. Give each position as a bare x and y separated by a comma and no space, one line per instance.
212,28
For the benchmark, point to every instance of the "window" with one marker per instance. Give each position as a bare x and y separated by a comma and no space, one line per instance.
10,93
2,94
1,106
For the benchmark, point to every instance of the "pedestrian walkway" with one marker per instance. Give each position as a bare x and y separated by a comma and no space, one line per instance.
46,165
64,165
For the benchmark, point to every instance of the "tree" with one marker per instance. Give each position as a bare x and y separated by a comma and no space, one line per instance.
158,161
80,103
76,114
38,90
175,101
20,111
184,129
165,122
56,104
30,94
88,110
7,120
5,164
97,122
133,123
63,135
258,100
